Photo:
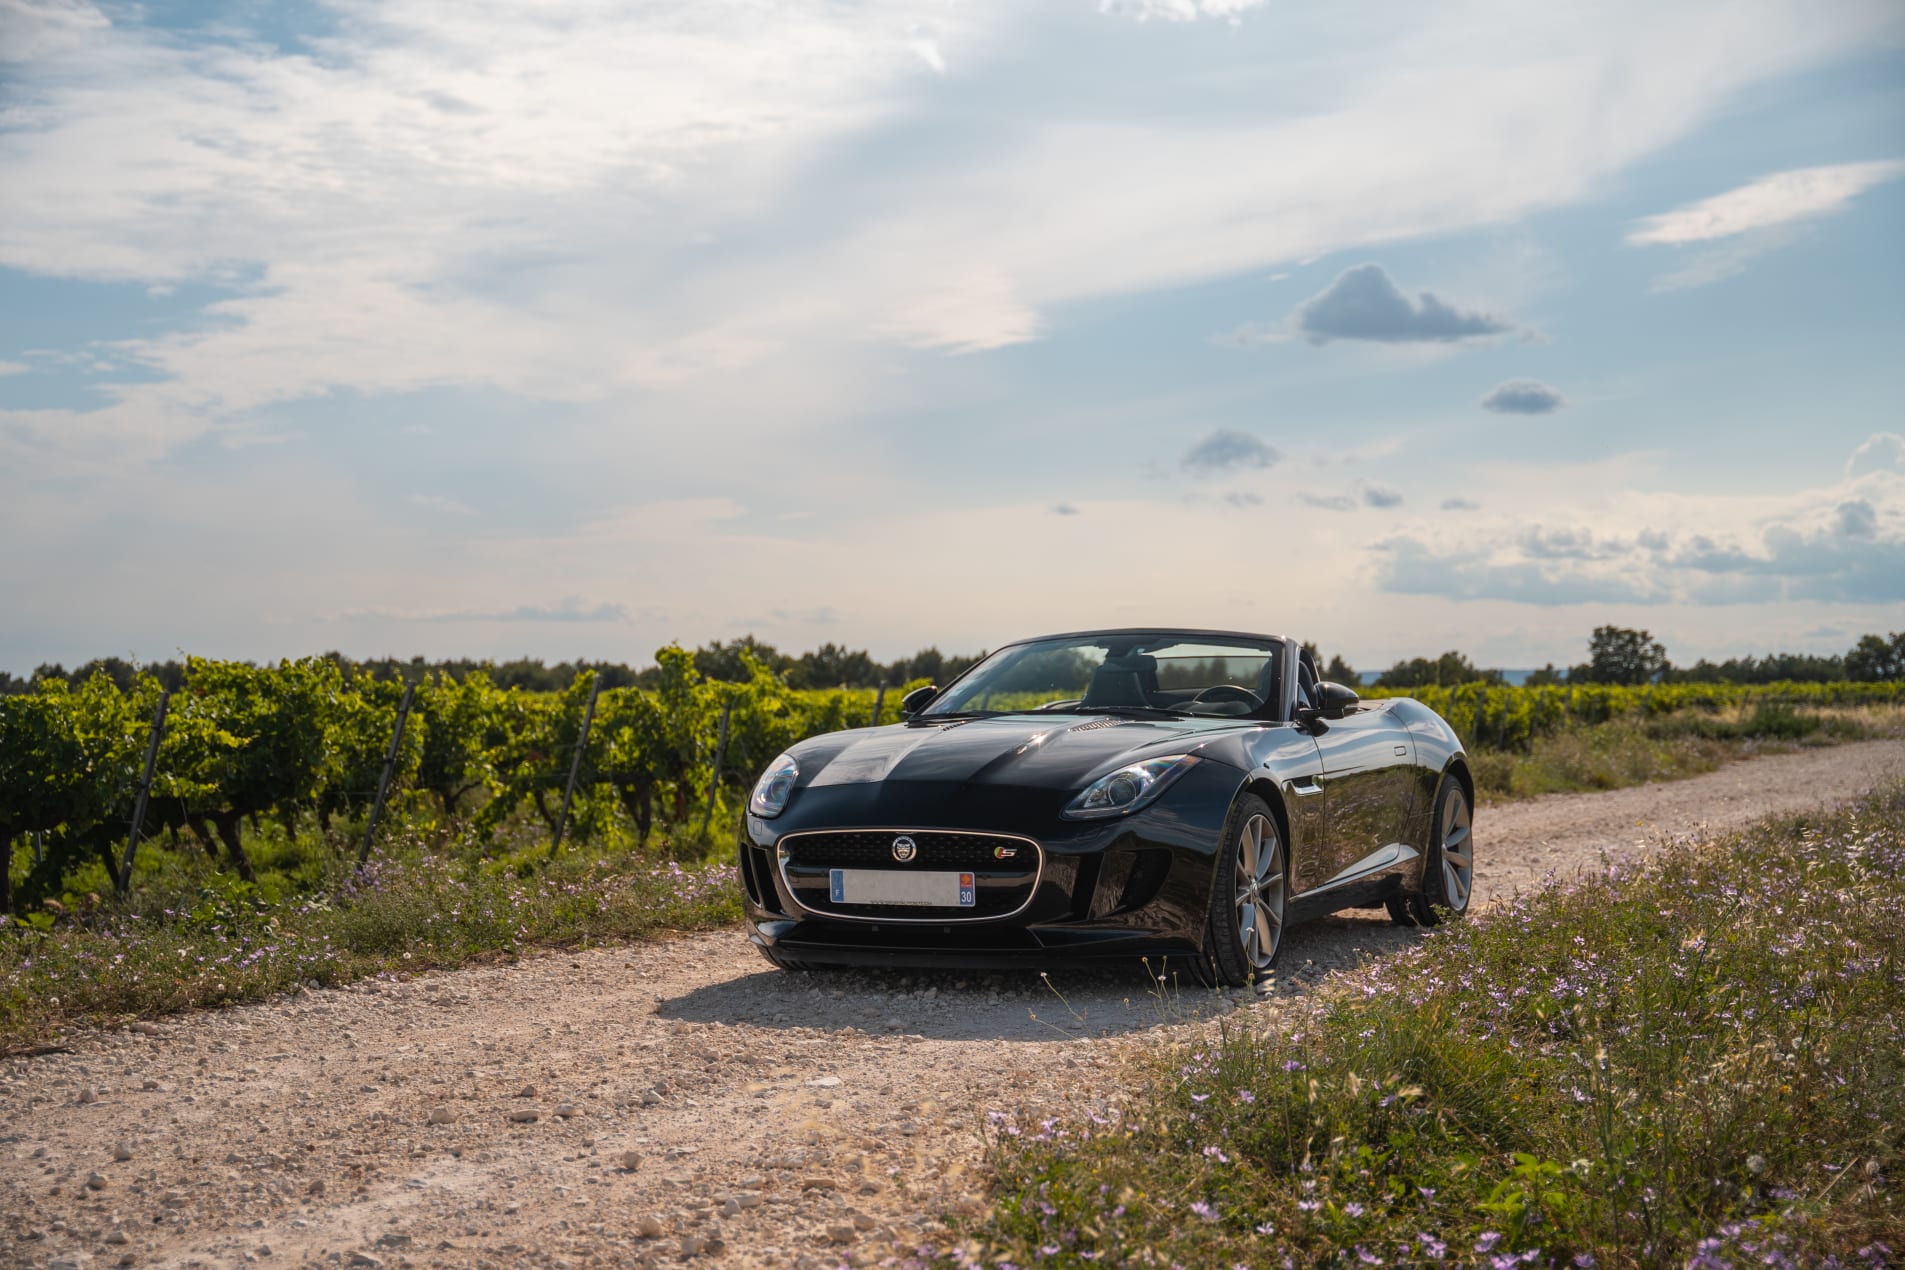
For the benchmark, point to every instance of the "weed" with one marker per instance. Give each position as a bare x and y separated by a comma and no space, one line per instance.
1701,1062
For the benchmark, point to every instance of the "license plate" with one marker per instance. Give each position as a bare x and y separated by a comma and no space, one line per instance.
890,886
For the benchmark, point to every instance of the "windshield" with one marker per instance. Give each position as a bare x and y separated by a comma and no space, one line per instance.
1126,672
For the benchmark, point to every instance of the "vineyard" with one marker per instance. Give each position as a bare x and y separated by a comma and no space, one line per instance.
299,744
303,745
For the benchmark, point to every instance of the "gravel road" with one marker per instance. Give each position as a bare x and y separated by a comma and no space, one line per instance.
666,1101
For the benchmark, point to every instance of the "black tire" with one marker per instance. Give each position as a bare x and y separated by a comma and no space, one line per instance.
1448,869
1234,951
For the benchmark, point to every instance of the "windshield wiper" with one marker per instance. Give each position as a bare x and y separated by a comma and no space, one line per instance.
937,715
1149,712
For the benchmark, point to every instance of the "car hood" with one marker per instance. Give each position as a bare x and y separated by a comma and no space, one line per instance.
1056,752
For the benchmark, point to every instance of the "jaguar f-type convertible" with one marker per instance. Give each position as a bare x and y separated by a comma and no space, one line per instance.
1183,795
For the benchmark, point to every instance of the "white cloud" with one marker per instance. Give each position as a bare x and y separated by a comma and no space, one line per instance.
1779,199
40,28
1755,219
1880,452
13,368
1179,10
1836,544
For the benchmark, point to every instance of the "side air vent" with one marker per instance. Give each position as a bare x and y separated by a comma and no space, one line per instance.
1095,724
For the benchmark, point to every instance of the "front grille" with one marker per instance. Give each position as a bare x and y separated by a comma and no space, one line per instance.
859,849
1001,886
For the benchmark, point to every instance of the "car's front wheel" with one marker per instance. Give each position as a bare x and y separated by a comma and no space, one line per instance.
1244,930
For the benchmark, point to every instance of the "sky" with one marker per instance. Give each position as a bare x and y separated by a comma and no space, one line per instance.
471,328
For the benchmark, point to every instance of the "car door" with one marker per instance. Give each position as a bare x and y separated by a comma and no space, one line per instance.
1367,760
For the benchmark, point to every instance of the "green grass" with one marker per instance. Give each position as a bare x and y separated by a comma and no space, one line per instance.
191,936
1640,750
1698,1063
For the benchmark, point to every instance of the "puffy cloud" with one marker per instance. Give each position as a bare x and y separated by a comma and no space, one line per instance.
1824,547
1460,505
1064,509
1779,199
1523,397
1381,496
1880,452
1329,502
1857,519
1243,498
1364,303
1228,449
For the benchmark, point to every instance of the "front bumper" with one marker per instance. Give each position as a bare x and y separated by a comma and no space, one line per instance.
1108,889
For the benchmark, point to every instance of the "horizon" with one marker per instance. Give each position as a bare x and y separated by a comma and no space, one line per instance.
504,332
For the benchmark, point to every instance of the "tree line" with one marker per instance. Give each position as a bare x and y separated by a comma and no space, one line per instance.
1616,655
1622,655
829,666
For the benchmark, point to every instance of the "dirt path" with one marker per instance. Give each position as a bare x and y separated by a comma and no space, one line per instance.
626,1107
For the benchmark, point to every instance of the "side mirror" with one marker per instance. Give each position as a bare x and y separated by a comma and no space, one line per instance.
918,699
1334,700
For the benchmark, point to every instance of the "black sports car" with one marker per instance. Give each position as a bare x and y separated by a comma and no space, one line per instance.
1177,793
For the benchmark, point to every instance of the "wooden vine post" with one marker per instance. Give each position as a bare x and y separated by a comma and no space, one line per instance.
720,752
575,767
123,882
383,781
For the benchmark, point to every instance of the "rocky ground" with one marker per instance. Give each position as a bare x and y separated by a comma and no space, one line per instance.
670,1101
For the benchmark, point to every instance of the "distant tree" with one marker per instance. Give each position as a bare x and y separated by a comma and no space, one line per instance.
1773,668
831,666
1336,671
1548,674
932,665
1450,668
1875,657
728,662
1618,655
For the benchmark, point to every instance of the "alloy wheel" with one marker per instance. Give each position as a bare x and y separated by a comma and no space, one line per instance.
1458,862
1260,891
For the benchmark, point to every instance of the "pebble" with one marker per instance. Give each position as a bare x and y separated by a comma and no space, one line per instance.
650,1098
527,1091
122,1152
649,1227
95,1181
117,1237
565,1110
840,1234
365,1259
631,1160
145,1027
524,1115
442,1115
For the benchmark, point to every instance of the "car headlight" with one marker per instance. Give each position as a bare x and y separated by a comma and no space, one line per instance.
1128,788
776,785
